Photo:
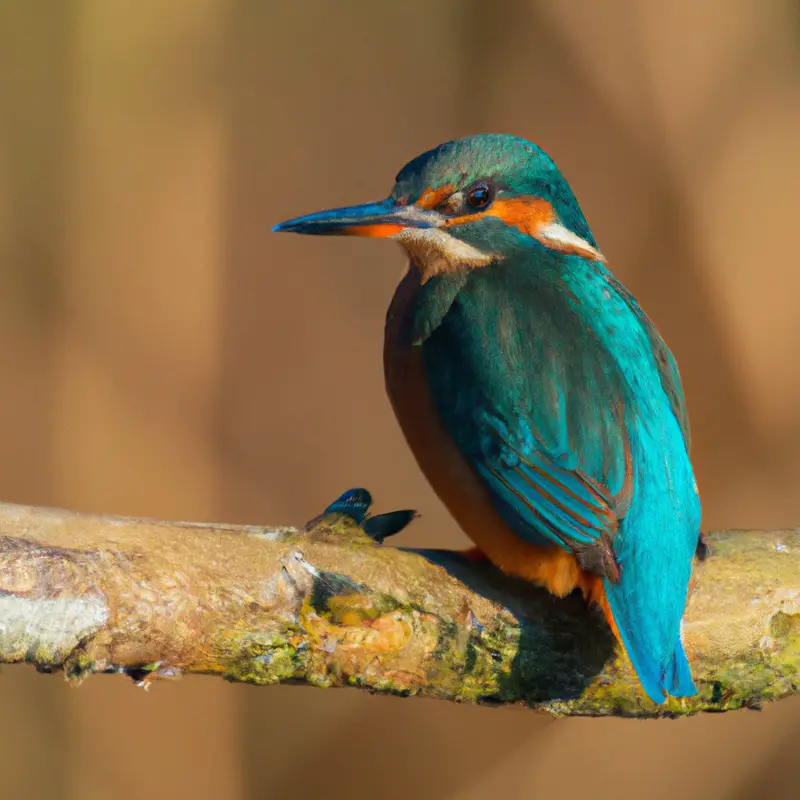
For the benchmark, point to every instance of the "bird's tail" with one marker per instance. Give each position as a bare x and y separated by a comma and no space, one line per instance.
656,653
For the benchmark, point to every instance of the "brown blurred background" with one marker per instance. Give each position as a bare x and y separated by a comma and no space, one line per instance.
163,354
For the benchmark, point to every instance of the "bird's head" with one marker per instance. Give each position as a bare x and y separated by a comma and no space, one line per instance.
468,203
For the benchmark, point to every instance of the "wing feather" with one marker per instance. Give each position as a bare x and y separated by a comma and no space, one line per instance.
536,410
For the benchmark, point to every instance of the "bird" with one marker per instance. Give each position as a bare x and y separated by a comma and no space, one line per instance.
538,398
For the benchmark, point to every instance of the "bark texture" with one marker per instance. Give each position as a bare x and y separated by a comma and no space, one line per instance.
330,607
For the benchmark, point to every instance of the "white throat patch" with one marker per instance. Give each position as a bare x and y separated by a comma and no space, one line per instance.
435,251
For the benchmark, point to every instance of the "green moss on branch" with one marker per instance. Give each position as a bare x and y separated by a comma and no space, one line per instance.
329,607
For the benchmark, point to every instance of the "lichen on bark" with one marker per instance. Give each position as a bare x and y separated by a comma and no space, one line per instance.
330,607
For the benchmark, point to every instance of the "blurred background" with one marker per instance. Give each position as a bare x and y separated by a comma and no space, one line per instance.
164,355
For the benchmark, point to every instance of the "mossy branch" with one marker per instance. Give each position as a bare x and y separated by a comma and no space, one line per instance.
330,607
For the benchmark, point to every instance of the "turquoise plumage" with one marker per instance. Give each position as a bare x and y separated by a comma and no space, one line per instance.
546,382
558,402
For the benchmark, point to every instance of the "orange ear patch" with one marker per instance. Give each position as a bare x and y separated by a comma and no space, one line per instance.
537,218
526,214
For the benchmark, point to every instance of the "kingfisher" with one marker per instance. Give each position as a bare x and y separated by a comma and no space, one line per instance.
538,398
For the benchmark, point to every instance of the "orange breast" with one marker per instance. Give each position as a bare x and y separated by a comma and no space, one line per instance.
451,477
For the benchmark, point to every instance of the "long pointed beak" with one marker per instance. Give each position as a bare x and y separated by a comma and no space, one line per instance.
382,219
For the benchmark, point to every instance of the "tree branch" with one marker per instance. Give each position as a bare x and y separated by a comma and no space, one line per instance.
330,607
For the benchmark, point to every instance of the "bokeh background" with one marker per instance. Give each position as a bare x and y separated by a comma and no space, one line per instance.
163,354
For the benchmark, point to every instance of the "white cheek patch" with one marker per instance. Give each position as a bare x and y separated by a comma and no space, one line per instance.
435,251
555,236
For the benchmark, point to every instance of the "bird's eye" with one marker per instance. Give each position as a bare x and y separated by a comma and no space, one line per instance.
479,197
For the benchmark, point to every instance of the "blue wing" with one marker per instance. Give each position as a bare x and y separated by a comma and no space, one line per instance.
559,503
538,409
665,361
